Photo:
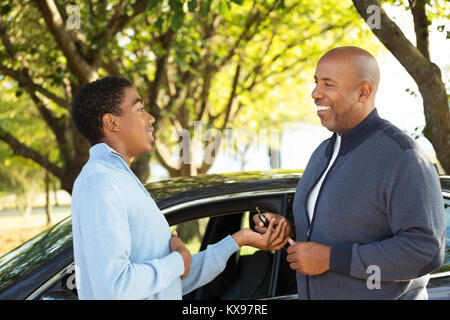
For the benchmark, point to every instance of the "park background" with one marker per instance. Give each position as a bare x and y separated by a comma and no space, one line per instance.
263,82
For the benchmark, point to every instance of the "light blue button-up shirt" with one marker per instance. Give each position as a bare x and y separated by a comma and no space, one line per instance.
121,239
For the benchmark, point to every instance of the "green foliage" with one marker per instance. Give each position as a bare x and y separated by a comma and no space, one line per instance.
17,174
183,57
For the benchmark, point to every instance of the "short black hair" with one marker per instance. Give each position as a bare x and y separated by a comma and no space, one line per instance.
93,101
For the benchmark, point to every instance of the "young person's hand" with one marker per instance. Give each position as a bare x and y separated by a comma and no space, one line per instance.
272,239
176,244
259,226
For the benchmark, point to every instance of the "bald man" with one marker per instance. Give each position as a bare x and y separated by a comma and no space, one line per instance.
368,210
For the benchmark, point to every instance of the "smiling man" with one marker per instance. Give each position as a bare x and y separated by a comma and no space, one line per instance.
368,210
346,85
123,247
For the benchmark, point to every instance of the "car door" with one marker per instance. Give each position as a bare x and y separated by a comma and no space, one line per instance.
249,273
439,286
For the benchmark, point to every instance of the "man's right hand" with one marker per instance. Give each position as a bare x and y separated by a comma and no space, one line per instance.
259,226
176,244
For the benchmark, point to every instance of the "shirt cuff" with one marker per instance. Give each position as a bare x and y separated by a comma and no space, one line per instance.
341,258
227,246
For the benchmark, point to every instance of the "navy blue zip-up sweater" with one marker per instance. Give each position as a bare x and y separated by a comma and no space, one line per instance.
380,209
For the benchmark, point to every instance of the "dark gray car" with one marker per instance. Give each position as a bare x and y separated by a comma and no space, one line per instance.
216,205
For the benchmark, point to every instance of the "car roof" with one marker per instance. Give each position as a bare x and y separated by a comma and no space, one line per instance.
178,190
165,188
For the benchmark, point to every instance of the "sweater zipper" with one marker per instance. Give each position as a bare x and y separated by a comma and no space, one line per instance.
308,233
310,226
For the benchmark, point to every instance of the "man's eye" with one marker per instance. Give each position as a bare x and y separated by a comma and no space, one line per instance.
328,84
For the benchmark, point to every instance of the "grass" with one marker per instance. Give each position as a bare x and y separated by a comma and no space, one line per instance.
15,229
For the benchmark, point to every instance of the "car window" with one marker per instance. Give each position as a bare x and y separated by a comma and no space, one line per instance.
446,264
248,272
439,285
192,232
23,264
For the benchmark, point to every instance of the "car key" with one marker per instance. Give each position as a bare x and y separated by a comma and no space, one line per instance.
263,218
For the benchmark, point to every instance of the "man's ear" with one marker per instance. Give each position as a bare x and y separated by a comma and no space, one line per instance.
110,122
365,91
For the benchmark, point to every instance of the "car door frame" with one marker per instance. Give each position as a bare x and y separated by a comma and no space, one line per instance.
234,203
438,292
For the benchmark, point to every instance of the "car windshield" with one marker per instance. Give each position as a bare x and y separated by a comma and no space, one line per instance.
30,255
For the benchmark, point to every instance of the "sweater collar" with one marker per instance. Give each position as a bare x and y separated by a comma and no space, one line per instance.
357,135
104,152
101,151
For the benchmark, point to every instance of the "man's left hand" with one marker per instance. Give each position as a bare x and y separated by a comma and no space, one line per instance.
308,258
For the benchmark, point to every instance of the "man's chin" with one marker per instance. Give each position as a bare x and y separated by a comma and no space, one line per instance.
327,125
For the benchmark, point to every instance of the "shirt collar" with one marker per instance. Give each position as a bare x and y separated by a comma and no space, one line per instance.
357,135
105,152
101,151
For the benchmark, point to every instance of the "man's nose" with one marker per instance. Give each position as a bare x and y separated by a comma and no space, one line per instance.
316,93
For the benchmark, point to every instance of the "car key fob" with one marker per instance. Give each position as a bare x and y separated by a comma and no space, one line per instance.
263,218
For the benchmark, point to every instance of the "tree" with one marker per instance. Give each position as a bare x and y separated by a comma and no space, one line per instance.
416,60
20,175
22,179
209,71
207,61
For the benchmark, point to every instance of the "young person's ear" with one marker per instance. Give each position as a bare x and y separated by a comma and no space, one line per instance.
110,122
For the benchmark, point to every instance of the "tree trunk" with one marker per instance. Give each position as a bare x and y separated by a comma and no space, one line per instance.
425,73
55,194
437,117
77,159
48,207
25,207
